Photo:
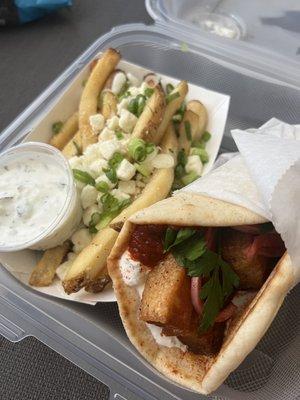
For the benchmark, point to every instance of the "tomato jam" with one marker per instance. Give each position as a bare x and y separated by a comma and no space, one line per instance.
146,244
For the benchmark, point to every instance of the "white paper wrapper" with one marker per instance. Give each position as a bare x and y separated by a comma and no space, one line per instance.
265,178
20,264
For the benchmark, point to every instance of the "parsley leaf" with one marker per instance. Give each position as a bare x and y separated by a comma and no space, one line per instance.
188,247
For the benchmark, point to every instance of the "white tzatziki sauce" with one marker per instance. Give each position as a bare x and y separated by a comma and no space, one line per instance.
133,275
33,191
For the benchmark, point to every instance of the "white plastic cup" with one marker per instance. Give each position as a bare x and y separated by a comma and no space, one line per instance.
68,216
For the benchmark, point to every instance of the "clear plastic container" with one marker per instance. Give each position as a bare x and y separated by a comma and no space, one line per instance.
64,220
93,337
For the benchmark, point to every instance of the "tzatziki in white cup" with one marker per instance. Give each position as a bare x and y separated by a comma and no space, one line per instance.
39,203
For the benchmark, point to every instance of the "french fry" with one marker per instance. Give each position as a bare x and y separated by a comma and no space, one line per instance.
73,147
90,265
188,129
68,130
151,117
198,108
89,98
108,105
171,108
44,271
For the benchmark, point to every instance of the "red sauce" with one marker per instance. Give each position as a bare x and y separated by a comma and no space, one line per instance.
146,244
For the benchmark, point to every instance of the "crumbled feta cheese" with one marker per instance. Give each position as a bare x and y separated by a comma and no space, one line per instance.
125,170
123,104
127,187
120,195
87,214
134,91
134,81
75,162
163,161
91,153
97,123
80,239
104,178
109,147
88,196
96,168
106,134
118,82
113,123
127,121
194,164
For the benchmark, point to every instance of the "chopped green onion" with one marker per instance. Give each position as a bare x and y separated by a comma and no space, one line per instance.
179,171
150,147
119,135
148,92
206,136
202,153
102,186
112,209
172,96
132,106
141,102
187,127
189,178
181,158
93,229
137,149
124,91
137,105
78,149
116,160
169,88
111,174
142,170
56,127
95,218
84,177
198,143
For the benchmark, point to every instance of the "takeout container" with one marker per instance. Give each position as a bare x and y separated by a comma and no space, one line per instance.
262,84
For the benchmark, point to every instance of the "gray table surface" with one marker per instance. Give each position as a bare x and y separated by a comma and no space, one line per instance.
31,57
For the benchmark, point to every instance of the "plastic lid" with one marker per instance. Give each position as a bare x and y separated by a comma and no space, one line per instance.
263,29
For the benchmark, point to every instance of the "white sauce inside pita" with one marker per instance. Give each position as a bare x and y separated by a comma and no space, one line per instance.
168,341
131,270
133,275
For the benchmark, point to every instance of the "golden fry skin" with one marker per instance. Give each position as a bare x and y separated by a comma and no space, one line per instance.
73,147
190,118
70,127
44,272
198,108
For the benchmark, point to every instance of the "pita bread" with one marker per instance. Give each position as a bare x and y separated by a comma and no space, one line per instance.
200,373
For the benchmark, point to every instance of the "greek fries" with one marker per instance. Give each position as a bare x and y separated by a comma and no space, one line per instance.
89,98
90,264
44,272
125,155
66,133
